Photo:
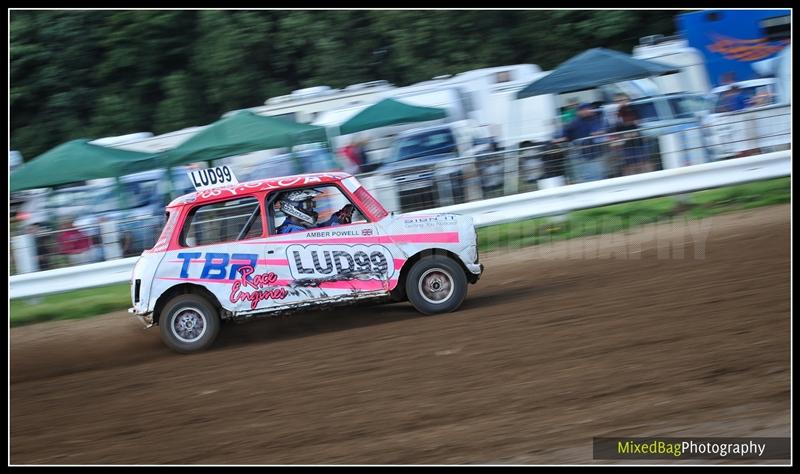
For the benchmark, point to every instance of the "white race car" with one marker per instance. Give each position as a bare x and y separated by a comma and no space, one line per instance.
239,251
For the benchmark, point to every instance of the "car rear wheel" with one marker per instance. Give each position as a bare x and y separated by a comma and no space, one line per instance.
436,284
189,323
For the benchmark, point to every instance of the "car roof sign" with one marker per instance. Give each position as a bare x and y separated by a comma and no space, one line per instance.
211,178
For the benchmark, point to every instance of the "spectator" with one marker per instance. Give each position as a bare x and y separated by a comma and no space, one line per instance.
586,133
530,164
347,153
361,153
98,249
41,241
732,100
570,111
761,98
627,118
74,243
586,124
355,155
634,159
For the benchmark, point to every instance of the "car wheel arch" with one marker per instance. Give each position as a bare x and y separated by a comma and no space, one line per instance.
182,289
398,292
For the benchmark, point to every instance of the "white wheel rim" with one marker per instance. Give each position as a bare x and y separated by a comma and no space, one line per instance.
189,325
436,285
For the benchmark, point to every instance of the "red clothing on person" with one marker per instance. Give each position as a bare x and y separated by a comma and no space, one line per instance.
72,241
352,154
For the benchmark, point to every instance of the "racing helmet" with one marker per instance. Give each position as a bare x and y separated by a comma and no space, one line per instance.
300,205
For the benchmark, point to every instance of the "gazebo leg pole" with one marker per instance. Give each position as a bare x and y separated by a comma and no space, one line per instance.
510,186
329,140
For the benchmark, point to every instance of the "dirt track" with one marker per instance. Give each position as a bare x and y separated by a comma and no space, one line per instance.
545,353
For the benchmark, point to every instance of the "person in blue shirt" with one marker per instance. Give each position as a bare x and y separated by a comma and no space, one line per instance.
588,123
733,99
300,214
587,133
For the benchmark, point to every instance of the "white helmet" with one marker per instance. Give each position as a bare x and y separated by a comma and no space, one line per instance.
300,205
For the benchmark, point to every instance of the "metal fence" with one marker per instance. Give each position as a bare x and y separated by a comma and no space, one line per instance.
37,247
486,212
593,158
460,180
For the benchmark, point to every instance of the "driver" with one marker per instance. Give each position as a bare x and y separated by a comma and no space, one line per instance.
300,215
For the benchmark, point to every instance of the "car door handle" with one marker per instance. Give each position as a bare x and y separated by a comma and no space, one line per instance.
270,252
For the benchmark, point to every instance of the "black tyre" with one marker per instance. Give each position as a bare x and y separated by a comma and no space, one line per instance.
436,284
189,323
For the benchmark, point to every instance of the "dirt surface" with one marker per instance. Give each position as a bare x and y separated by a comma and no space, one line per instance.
678,329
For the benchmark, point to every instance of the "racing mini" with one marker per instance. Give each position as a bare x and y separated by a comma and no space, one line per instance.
240,251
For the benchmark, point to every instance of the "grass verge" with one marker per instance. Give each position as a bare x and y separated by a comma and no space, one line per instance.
94,301
76,304
617,217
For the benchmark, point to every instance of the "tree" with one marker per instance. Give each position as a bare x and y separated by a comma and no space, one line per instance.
87,74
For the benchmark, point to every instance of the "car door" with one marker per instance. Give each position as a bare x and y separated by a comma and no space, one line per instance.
221,246
328,263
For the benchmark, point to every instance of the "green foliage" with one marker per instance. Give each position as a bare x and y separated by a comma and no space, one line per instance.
88,74
70,305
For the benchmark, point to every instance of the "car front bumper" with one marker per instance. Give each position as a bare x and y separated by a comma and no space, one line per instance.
146,319
475,270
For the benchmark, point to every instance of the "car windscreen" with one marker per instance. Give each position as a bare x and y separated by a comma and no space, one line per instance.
139,194
127,195
76,197
181,183
316,160
424,144
747,94
646,111
687,106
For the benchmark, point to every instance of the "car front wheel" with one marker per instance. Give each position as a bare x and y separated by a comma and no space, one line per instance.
436,284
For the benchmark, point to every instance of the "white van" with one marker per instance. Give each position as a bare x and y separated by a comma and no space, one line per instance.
436,94
145,142
491,98
676,52
514,120
378,140
305,105
763,126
